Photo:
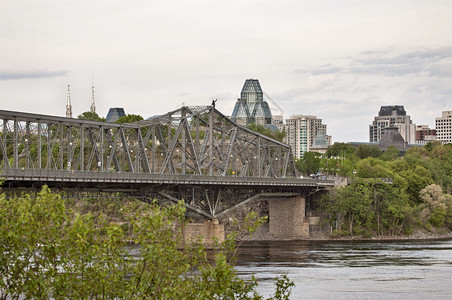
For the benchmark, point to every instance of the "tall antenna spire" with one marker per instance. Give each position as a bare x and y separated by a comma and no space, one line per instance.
93,105
68,103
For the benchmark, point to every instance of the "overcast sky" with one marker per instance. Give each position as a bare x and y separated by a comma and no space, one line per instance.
338,60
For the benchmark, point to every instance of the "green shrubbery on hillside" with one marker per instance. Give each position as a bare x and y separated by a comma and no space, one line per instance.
388,194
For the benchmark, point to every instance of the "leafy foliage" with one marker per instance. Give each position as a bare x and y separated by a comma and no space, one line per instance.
435,205
274,134
309,163
50,251
365,151
390,194
129,118
340,149
92,116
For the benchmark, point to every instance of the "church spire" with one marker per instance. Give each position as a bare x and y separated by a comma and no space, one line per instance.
68,103
93,105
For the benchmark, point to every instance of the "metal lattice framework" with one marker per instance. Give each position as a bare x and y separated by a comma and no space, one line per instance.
192,153
190,140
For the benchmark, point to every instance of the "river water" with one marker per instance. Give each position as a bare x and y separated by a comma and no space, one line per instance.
352,270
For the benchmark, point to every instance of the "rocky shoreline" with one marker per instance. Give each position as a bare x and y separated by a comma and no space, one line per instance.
262,235
415,236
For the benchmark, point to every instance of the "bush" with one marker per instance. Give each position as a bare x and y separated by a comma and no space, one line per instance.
48,251
438,217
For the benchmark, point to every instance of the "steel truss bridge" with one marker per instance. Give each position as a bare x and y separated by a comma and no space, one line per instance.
192,153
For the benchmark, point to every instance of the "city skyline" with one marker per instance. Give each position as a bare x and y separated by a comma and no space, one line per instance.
338,60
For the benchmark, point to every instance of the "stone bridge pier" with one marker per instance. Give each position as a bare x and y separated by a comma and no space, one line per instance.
287,219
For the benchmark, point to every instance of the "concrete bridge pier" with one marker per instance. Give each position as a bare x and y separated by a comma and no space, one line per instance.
287,219
207,233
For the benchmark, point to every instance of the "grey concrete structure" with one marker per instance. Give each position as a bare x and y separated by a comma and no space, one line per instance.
392,137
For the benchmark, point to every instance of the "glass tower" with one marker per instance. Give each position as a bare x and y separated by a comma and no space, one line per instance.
115,113
251,108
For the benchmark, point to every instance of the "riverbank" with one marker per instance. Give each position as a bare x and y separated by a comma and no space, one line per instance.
419,235
262,235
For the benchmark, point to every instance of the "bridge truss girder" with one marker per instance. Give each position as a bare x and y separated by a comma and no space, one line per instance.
195,154
189,140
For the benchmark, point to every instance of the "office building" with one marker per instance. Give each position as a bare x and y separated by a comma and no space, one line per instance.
424,134
444,127
278,121
392,116
302,131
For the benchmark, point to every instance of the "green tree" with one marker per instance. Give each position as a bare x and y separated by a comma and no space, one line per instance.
392,153
49,251
274,134
129,118
309,163
340,149
416,179
352,203
435,204
355,200
370,206
373,168
92,116
440,165
365,151
391,208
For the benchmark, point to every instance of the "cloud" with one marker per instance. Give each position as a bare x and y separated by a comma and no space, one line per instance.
426,62
31,74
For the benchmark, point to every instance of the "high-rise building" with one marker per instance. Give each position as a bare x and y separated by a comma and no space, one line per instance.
278,121
444,127
251,108
392,116
302,131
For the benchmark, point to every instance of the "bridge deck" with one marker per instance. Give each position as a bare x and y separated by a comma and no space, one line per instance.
86,177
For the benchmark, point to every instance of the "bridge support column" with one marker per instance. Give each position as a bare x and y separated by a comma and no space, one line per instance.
287,218
209,232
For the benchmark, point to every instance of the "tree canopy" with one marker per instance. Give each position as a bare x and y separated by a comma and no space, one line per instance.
274,134
397,192
129,118
92,116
